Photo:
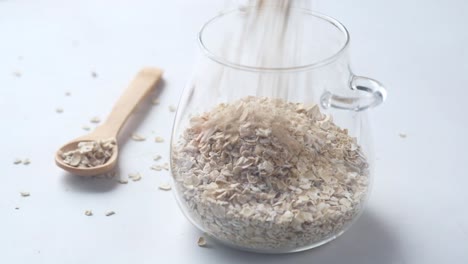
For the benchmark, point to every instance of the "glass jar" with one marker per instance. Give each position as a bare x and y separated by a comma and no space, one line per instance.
274,157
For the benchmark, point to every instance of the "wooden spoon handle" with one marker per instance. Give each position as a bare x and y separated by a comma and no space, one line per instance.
141,85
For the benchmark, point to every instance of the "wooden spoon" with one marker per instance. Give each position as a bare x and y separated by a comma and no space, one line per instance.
141,85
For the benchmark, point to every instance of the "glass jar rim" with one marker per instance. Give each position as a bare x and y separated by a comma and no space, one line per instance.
219,59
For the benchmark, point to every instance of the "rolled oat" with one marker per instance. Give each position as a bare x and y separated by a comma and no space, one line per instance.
110,213
137,137
123,181
165,187
134,176
201,242
95,120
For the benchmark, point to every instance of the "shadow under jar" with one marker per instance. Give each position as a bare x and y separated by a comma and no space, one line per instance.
274,156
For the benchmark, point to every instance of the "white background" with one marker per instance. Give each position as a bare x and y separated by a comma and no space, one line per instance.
418,211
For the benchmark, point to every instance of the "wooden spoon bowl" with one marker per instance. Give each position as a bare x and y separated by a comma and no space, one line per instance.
86,171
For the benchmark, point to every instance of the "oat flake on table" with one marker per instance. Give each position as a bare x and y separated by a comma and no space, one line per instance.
165,187
25,194
201,242
134,176
156,167
265,173
138,137
123,181
95,120
110,213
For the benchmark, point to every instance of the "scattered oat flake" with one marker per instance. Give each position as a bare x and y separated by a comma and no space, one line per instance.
59,110
85,127
94,74
88,213
17,74
25,194
134,176
159,139
123,181
26,161
110,213
172,108
403,135
155,101
67,93
156,167
165,166
157,157
165,187
137,137
95,120
201,241
17,161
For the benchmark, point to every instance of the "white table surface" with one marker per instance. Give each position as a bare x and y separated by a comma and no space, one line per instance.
418,211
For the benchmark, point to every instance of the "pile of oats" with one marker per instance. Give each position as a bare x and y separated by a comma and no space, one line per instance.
268,174
90,153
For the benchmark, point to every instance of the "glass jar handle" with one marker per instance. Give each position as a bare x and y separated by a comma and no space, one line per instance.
369,93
